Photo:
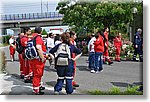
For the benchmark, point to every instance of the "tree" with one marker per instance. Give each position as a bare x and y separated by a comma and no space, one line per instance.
44,32
90,15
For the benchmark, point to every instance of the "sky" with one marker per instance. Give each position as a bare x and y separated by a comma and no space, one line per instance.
29,6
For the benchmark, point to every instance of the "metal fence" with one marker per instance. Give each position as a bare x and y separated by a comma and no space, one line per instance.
27,16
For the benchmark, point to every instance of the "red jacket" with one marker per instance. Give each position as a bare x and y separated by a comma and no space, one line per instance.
117,42
99,45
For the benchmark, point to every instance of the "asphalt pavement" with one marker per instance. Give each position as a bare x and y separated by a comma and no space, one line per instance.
120,74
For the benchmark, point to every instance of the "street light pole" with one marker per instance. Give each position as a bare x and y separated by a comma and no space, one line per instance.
134,17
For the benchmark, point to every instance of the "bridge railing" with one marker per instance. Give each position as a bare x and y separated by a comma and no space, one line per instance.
28,16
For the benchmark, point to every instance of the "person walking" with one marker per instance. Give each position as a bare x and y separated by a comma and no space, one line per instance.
138,45
117,44
12,48
65,70
92,53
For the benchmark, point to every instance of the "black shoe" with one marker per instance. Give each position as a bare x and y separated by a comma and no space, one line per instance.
134,59
39,93
21,76
76,85
74,88
42,88
28,81
110,63
104,62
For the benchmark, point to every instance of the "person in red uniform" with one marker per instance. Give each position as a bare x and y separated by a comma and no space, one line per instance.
37,64
72,41
27,70
99,49
106,53
12,47
20,36
117,45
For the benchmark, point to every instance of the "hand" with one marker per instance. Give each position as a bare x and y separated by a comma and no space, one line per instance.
136,46
43,60
46,56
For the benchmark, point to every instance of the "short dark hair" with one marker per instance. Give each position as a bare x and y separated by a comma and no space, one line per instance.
38,30
50,34
72,33
26,29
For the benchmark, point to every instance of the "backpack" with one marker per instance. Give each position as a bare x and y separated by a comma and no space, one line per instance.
19,47
30,50
62,55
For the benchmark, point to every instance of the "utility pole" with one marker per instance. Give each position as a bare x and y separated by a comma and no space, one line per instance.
41,7
46,5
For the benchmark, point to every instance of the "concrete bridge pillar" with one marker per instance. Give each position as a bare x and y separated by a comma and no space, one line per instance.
16,31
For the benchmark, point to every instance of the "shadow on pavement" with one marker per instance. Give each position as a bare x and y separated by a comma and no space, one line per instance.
51,83
122,84
18,87
49,69
83,68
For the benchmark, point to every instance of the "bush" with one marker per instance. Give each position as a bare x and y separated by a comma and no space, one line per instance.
2,62
5,39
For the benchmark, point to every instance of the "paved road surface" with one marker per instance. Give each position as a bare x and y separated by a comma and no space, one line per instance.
120,74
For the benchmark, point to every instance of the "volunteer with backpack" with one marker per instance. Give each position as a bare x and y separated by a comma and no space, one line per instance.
64,63
27,70
20,49
12,47
72,42
37,59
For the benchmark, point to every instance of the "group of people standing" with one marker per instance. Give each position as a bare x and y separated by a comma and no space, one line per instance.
31,70
98,49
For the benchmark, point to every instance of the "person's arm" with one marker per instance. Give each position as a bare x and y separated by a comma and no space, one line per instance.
39,49
11,43
74,59
78,52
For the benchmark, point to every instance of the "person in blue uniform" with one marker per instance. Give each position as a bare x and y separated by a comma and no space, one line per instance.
138,45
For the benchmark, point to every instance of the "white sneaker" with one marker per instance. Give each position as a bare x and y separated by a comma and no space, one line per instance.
56,93
97,72
12,60
92,71
101,70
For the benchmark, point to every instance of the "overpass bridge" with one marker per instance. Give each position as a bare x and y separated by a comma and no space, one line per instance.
16,21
